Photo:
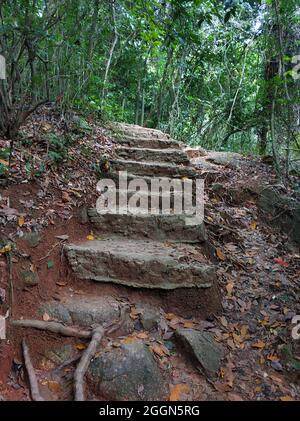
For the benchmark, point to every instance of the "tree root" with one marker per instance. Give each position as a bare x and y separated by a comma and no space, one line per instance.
34,387
83,365
54,327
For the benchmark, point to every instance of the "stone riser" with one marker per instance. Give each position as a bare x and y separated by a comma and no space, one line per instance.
152,169
155,227
167,155
138,142
138,269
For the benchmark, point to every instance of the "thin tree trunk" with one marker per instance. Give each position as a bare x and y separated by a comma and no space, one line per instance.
111,52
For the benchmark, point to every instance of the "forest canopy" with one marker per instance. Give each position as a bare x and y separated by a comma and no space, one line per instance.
221,74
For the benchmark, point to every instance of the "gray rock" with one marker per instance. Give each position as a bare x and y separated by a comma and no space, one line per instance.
33,239
86,311
203,348
149,318
127,373
281,210
29,278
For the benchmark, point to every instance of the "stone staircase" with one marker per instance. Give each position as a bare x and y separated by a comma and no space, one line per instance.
148,251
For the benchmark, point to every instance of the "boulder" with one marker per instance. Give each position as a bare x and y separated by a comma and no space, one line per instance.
203,349
128,373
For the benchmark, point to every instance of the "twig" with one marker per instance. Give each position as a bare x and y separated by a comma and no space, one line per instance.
83,365
34,387
51,250
54,327
11,285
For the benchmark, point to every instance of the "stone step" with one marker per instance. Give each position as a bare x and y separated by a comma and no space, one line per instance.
154,169
175,156
140,264
155,227
138,131
146,142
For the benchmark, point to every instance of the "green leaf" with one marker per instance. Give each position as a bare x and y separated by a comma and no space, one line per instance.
50,264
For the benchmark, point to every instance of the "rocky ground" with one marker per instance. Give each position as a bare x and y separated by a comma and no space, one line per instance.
199,314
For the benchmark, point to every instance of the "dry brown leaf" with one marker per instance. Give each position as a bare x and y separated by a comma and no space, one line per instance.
253,225
259,345
286,398
220,254
81,347
177,391
158,350
46,317
129,340
21,221
223,321
142,335
229,287
54,386
188,325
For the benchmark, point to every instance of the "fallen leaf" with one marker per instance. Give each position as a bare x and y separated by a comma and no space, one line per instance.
281,262
81,347
46,317
66,197
259,345
220,254
21,221
188,325
90,237
3,162
50,264
129,340
286,398
177,391
229,287
158,350
142,335
223,321
54,386
253,225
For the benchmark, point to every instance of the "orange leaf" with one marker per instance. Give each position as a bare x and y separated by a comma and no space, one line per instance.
90,237
81,347
188,325
286,398
229,287
259,345
177,391
129,340
21,221
253,225
158,350
220,254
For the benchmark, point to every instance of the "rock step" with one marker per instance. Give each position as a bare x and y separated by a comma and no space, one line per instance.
139,264
154,169
146,142
138,131
154,227
175,156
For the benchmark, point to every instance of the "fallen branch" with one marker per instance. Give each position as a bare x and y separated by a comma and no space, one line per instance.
54,327
83,365
34,387
51,250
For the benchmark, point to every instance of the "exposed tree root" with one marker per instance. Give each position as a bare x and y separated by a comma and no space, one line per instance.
83,365
54,327
34,387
